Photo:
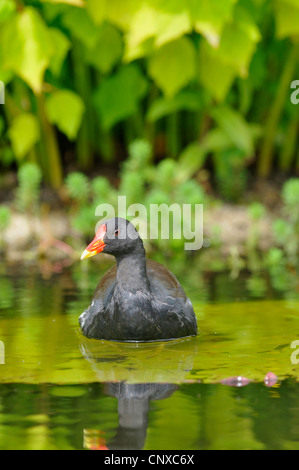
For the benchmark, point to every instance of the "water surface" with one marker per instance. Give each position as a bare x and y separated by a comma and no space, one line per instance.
59,390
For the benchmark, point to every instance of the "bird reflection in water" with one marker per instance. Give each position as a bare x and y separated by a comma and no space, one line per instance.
135,374
133,408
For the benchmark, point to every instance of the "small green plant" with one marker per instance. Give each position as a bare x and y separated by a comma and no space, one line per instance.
256,212
189,192
231,173
84,220
86,196
135,171
256,286
77,185
102,191
290,197
28,191
5,216
141,182
140,153
286,230
164,175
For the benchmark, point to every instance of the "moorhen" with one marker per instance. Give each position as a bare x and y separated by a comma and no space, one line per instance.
138,299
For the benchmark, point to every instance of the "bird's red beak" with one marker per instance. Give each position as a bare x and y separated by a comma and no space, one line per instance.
97,245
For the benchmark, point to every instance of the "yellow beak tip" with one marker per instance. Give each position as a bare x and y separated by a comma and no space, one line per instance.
87,254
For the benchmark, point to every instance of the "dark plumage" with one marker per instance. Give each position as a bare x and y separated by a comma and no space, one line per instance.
138,299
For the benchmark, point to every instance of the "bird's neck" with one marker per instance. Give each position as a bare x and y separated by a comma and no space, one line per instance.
131,272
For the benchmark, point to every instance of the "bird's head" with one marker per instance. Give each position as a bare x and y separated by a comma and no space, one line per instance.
116,236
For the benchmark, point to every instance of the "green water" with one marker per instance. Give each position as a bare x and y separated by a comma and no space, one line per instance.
59,390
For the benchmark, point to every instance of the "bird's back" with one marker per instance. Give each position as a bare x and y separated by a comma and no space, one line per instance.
170,313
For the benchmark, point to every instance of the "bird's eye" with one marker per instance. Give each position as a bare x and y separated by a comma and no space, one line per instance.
116,233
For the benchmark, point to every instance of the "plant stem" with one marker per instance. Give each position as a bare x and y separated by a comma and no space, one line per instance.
173,135
86,135
267,149
106,146
289,148
51,160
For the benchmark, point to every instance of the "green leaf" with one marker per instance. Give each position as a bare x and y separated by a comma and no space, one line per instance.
210,17
142,27
220,66
77,3
185,100
118,96
108,49
238,41
170,27
5,75
5,217
165,65
27,47
61,45
7,8
235,126
190,161
97,10
24,133
65,109
214,74
217,140
287,18
121,13
293,3
169,6
81,26
149,23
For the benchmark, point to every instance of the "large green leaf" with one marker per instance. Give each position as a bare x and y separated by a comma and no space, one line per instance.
185,100
215,75
107,50
5,75
77,3
149,23
7,8
121,13
220,65
24,133
238,41
97,10
27,47
287,18
81,26
65,109
118,96
170,27
190,161
209,18
235,126
173,65
61,45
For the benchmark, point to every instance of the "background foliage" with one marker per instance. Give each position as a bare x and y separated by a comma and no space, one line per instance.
207,81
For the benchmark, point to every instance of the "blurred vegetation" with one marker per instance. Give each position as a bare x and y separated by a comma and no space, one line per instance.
209,81
155,100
